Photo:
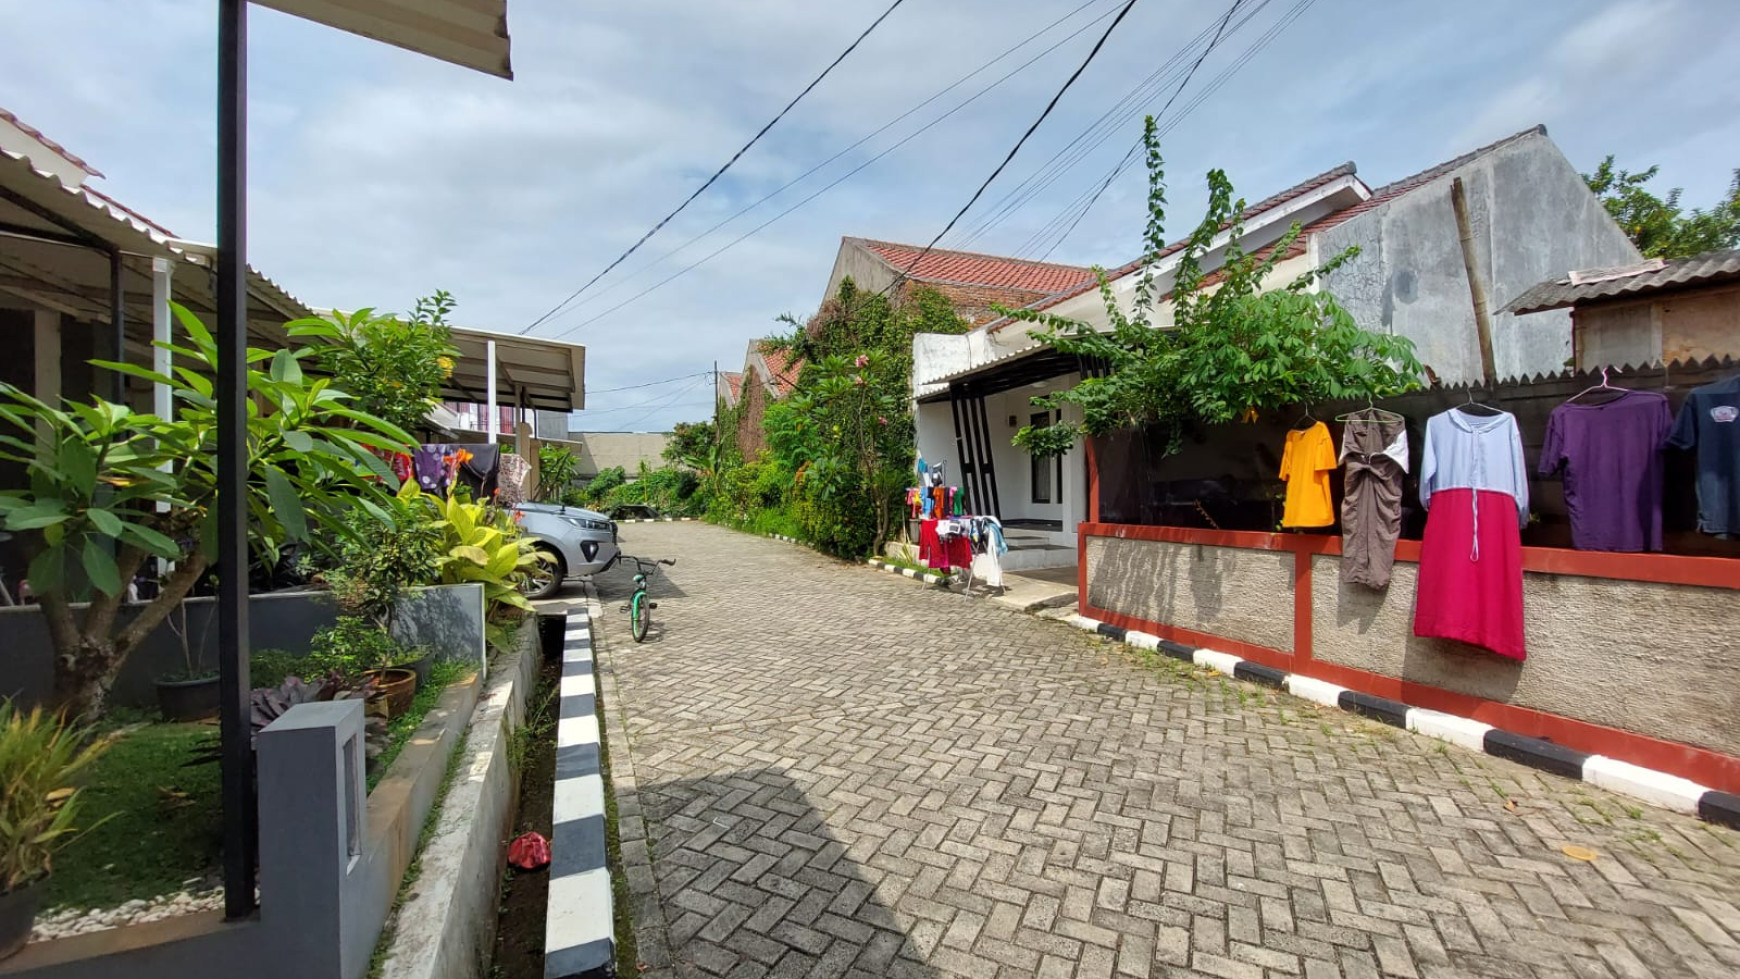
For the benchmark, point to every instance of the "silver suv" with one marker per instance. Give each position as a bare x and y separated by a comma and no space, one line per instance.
573,542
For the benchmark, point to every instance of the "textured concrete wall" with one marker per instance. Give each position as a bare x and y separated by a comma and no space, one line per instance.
1226,591
1701,324
1655,659
599,451
1617,335
866,270
1533,219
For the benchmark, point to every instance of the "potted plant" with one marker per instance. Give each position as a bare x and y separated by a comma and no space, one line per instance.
353,646
39,756
191,693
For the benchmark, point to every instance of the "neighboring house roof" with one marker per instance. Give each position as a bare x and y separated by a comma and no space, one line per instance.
1266,204
731,386
782,367
1589,285
975,269
60,150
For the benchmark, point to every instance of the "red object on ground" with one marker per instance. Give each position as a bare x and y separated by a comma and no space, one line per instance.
529,852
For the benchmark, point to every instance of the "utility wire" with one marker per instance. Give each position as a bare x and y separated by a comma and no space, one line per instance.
663,398
909,137
649,384
620,282
1245,58
721,171
1109,123
1017,147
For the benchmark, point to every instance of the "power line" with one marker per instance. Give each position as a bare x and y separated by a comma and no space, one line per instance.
715,253
1109,122
1263,41
861,141
685,389
649,384
1018,144
721,171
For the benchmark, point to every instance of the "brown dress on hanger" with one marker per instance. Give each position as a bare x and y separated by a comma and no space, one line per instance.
1374,449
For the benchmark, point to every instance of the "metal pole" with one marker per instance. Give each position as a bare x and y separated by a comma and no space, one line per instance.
162,361
493,425
117,325
241,840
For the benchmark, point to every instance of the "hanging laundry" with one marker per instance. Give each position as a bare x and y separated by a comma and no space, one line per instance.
429,465
477,467
1474,486
943,546
1374,450
1305,464
986,535
1709,421
1611,455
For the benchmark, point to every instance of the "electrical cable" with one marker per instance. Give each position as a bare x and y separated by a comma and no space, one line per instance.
800,178
909,137
1286,20
650,402
721,171
1096,133
1101,43
648,384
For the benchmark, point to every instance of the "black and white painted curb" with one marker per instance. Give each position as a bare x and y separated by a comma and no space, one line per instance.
658,520
579,932
924,576
1643,784
789,540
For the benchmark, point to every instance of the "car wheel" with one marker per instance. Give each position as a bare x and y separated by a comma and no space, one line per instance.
546,579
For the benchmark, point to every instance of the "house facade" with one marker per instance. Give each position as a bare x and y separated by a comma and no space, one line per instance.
1532,216
769,373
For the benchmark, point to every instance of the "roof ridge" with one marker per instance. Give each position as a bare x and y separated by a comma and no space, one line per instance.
1432,173
1011,259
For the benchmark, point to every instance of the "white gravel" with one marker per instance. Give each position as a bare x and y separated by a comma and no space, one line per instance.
201,894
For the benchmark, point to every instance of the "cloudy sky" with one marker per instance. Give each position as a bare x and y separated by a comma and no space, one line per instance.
378,176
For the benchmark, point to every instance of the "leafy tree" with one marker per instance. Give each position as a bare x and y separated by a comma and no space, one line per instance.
393,368
695,445
1658,226
99,473
1231,350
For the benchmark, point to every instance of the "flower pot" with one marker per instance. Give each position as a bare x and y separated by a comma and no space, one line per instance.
188,700
419,666
397,688
17,914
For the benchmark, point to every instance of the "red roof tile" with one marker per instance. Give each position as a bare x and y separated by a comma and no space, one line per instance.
782,364
972,268
734,384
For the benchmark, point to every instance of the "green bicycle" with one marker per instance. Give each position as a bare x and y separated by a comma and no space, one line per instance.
640,606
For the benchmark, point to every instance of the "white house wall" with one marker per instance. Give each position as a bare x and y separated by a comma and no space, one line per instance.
1533,218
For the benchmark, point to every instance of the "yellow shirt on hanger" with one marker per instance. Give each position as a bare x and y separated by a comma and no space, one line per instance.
1305,465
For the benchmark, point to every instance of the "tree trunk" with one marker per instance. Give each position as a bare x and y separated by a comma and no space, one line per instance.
82,679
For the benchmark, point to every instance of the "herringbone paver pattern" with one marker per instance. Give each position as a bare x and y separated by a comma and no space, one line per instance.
836,772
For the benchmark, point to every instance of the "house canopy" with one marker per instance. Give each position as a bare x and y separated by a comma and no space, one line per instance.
469,33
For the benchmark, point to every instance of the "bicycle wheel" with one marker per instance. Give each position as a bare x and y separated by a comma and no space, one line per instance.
639,616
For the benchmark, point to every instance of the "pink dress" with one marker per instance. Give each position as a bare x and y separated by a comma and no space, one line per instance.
1475,488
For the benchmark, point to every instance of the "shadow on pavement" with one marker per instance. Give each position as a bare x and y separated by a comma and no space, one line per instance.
751,882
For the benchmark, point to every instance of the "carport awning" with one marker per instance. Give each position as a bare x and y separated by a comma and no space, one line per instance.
530,373
469,33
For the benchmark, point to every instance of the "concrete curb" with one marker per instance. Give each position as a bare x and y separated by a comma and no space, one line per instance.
1645,785
788,540
445,928
659,520
924,576
580,925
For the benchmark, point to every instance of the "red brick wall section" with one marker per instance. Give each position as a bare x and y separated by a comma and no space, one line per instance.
974,302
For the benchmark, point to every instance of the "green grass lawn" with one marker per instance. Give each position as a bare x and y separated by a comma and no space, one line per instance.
164,822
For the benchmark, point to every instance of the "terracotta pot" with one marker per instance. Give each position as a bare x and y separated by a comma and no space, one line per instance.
17,914
397,687
188,700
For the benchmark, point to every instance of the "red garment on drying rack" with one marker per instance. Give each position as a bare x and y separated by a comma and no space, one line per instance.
939,553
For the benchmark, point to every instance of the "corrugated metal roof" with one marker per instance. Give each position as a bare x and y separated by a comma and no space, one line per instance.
1676,274
468,33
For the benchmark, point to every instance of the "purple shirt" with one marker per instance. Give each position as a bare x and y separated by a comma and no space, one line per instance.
1611,454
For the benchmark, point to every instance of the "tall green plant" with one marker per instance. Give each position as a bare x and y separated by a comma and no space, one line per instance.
394,368
1232,350
40,757
111,487
556,468
1659,226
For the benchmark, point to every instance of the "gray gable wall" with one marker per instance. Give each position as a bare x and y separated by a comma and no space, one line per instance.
1533,219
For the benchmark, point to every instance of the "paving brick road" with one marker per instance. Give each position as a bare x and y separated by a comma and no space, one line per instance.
831,771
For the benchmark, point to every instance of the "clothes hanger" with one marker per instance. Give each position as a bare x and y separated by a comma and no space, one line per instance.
1307,416
1603,387
1383,414
1471,403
